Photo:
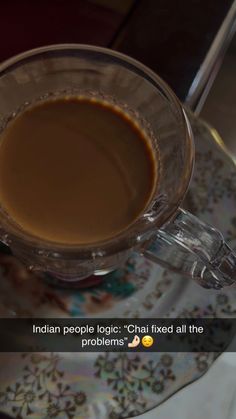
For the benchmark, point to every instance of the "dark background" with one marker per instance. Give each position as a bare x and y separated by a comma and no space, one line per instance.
170,36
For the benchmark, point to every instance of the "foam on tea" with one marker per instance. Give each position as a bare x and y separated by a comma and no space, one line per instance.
75,170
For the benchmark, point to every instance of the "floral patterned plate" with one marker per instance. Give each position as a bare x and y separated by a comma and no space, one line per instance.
119,385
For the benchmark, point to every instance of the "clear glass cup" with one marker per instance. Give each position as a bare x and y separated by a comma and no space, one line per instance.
164,232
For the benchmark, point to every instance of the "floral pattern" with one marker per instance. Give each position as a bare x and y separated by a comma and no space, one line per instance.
42,381
80,386
130,377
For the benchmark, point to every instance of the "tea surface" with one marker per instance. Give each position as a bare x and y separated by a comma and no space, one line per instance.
74,170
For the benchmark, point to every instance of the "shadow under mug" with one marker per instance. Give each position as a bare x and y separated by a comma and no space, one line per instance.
164,233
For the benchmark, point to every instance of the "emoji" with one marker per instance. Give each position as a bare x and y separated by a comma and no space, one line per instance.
135,342
147,341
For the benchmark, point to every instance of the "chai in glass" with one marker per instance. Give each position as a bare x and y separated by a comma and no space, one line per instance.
75,170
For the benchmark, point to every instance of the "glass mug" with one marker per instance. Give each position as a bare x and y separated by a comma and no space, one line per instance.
164,233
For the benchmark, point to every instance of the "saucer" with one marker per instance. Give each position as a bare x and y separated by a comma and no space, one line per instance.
119,385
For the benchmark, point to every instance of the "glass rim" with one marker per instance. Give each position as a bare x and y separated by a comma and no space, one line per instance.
118,241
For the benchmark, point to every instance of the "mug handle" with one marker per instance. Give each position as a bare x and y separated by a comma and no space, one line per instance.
194,249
